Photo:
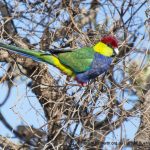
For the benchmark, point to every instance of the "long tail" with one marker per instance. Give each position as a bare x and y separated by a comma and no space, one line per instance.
39,56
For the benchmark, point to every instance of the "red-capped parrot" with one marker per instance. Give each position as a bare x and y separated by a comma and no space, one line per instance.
82,64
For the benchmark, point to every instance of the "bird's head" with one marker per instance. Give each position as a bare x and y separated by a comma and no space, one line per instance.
107,46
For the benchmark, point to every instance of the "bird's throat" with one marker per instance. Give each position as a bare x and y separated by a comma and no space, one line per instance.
103,49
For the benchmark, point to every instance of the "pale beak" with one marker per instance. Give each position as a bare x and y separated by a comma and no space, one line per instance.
116,51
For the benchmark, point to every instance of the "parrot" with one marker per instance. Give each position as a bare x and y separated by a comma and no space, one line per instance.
82,64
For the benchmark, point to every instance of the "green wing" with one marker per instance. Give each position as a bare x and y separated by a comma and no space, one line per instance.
78,60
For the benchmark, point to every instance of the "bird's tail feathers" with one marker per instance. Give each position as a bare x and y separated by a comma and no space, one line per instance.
33,54
39,56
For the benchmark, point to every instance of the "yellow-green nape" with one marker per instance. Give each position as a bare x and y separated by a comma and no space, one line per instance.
103,49
63,68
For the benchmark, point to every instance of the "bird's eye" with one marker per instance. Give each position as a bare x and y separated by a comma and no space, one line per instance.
109,45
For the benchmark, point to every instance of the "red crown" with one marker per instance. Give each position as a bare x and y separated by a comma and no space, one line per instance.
110,40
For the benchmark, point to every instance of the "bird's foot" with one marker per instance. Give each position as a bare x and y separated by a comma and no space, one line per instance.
82,84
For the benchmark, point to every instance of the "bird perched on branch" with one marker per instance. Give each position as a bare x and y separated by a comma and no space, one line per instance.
82,64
